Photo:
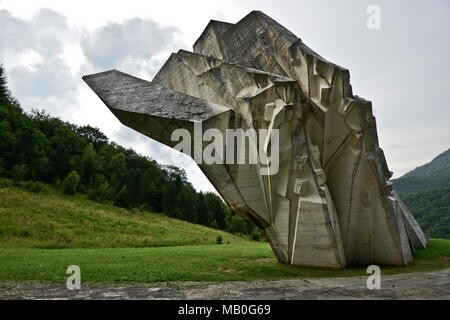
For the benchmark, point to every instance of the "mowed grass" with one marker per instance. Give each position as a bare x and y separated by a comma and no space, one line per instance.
244,262
51,220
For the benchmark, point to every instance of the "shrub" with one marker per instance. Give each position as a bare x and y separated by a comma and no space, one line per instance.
219,239
18,173
237,225
96,181
255,235
70,183
121,199
35,186
101,193
57,183
5,183
215,225
2,169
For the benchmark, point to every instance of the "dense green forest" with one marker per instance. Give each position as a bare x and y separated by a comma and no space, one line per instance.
38,148
432,211
426,192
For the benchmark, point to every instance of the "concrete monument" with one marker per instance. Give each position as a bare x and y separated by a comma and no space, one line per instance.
328,202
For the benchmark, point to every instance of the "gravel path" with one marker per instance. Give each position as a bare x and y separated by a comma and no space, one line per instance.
424,285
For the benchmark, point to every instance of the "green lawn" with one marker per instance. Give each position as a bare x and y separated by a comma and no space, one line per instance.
246,261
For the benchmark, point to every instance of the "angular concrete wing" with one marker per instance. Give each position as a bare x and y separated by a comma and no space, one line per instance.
150,108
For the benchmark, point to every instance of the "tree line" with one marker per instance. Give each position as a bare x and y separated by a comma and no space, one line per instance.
44,149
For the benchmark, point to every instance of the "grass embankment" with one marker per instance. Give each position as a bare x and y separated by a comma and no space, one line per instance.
50,220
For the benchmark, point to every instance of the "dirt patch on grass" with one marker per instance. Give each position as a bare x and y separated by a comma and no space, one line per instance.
263,260
229,270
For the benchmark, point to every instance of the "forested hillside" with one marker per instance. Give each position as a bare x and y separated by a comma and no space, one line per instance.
432,211
40,148
426,192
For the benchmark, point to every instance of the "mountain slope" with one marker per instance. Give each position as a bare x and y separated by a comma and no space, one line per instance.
437,166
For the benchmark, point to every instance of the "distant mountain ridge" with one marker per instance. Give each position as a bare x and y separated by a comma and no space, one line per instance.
438,165
426,192
433,175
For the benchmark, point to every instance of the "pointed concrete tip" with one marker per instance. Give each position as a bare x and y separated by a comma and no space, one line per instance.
99,74
256,12
123,92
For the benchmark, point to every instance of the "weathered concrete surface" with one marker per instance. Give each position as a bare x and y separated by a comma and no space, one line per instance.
424,285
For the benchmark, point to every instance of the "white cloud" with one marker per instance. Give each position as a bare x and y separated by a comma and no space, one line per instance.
133,42
73,57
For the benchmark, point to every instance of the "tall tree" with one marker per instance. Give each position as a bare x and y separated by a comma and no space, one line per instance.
4,92
89,163
93,135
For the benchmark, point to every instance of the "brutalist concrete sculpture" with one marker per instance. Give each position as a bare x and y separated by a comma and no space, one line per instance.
330,203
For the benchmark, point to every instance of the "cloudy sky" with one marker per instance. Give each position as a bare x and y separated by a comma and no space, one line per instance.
403,68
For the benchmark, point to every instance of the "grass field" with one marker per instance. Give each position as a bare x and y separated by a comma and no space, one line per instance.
245,261
41,234
51,220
